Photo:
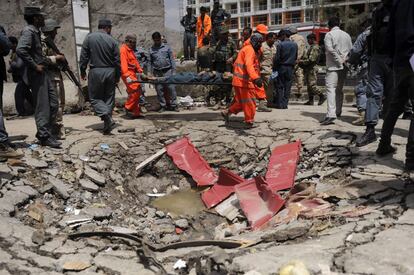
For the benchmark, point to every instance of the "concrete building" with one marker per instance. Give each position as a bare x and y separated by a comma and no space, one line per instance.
278,13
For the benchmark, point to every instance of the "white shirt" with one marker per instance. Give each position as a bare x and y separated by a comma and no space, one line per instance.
337,46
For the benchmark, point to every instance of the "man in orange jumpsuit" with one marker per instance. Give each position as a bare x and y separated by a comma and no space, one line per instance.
246,81
129,70
203,26
260,93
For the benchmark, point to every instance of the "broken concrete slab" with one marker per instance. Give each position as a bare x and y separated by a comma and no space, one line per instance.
95,176
88,185
60,187
288,231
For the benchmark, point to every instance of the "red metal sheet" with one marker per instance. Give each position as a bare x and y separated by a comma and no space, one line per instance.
281,170
222,189
187,158
258,202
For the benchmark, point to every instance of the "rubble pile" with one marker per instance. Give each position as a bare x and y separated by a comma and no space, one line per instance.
53,193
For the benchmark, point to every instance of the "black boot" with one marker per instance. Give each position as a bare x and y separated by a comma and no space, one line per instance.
322,99
50,142
310,101
385,148
368,137
109,124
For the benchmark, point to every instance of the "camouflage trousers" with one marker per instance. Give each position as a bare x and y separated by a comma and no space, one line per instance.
310,76
268,86
57,127
299,77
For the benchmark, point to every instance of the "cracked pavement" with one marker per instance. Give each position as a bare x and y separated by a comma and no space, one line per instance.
84,180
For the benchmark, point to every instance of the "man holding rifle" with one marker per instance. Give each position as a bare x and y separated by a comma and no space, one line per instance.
54,71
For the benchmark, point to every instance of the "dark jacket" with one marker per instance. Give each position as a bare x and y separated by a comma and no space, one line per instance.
286,54
4,51
401,32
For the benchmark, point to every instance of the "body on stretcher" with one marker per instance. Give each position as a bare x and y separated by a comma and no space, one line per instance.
189,78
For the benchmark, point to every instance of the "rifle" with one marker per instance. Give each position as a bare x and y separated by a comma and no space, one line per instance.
64,66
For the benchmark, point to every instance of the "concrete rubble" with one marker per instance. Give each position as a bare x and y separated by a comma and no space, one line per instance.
334,221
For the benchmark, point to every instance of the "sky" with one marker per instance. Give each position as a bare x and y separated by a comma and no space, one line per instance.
172,19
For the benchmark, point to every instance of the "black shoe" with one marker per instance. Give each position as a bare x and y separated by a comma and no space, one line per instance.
322,100
368,137
161,110
407,115
385,149
309,102
50,142
328,121
175,109
109,124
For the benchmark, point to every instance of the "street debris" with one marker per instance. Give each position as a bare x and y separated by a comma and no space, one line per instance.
180,264
187,158
149,160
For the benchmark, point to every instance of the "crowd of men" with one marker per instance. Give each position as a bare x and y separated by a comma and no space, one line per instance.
263,66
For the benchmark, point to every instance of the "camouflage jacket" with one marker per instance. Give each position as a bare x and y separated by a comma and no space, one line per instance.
222,52
52,67
310,58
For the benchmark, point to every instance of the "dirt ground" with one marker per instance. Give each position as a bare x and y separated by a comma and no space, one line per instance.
92,185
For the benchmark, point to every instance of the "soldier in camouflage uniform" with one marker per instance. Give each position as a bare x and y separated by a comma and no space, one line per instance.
218,18
55,74
299,74
308,64
224,55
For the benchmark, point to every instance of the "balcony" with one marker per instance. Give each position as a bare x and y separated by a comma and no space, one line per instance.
245,9
260,8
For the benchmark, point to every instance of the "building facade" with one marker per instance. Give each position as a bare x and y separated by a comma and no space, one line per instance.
279,13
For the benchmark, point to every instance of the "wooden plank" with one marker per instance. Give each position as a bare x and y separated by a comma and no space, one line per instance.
146,162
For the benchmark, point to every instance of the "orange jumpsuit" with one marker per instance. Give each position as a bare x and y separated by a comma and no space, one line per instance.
129,69
203,32
246,70
260,92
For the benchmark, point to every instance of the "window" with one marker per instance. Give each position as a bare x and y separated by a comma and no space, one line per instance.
293,17
277,4
276,19
311,15
311,2
233,8
245,6
245,22
191,2
234,23
204,1
262,5
294,3
260,19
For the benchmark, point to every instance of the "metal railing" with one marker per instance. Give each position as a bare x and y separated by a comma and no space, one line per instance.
260,8
245,9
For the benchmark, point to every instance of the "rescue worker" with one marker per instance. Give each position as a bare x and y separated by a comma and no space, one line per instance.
308,64
224,55
162,64
246,81
22,93
380,81
301,42
205,56
245,35
142,56
266,63
400,36
218,18
101,51
130,71
30,51
55,74
203,26
260,29
337,46
283,64
6,150
189,22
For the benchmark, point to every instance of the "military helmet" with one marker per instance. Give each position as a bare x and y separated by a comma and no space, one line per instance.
50,25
